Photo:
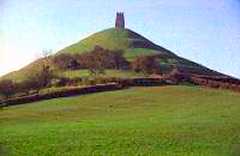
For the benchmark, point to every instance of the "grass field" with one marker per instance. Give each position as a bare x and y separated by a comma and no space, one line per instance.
168,121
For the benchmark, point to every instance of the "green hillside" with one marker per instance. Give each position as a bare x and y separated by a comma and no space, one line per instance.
131,43
137,121
115,39
23,73
110,38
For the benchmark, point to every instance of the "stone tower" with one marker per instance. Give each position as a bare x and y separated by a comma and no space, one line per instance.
120,22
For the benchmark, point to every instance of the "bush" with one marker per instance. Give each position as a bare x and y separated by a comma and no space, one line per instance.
100,80
26,86
63,81
146,64
179,75
7,88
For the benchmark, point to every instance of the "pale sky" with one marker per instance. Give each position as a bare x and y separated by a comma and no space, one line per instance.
205,31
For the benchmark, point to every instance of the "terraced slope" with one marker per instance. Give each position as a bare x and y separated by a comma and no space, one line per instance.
115,39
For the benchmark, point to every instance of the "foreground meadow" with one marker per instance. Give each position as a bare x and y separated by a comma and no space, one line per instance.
169,121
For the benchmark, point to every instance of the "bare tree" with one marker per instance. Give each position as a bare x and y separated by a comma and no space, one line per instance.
66,61
146,64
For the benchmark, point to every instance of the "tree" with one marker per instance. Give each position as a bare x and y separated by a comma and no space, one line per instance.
38,79
95,61
115,60
146,64
46,53
43,77
66,61
7,88
94,64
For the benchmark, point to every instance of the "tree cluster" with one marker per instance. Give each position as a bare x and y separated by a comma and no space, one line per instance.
99,59
96,61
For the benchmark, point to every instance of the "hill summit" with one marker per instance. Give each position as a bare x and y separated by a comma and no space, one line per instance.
116,38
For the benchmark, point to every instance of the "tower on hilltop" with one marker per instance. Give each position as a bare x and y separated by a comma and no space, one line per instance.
120,22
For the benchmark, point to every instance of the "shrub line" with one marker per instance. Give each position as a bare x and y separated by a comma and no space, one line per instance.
120,84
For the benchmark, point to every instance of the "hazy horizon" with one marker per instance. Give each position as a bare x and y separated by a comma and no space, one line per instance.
202,31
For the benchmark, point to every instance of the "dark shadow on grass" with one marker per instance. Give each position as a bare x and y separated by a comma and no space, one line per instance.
3,150
235,151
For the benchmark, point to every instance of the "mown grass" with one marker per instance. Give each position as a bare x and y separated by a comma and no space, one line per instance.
132,53
108,73
174,120
112,38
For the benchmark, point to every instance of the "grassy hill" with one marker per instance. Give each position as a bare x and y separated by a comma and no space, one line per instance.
130,42
115,39
169,121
